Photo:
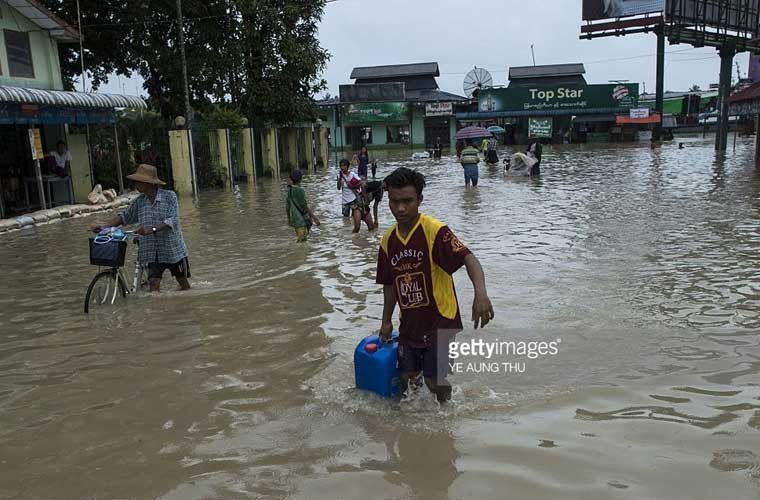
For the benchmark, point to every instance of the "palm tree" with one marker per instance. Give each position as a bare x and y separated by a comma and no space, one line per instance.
695,88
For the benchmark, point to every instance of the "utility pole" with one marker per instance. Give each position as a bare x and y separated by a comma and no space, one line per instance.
188,110
84,89
183,59
660,84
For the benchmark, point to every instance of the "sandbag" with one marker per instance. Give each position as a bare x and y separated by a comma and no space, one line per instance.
95,195
110,194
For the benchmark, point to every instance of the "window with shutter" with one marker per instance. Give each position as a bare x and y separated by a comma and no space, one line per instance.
19,54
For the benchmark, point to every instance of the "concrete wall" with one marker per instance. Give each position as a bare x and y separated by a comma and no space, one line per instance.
249,159
80,167
47,69
181,169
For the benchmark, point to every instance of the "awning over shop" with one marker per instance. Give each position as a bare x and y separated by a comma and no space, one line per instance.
27,106
627,120
485,115
22,95
594,118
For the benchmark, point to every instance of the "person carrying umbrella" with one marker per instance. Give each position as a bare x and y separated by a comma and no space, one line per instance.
470,160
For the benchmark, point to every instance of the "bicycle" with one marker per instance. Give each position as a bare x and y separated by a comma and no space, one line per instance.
111,283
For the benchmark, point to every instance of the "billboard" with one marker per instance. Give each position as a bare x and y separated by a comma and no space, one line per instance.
559,97
381,112
594,10
373,92
732,15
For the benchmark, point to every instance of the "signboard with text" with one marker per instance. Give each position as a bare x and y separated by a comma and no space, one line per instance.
365,113
639,113
540,127
560,97
439,109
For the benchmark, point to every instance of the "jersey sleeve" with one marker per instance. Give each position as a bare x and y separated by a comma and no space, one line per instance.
383,276
448,251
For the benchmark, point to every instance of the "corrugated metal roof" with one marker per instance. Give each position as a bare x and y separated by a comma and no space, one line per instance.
46,20
396,71
546,70
750,93
432,96
22,95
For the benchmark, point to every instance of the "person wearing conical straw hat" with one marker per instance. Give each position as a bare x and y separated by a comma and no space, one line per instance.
156,212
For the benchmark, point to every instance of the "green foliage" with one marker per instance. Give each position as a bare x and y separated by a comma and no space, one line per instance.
262,56
225,117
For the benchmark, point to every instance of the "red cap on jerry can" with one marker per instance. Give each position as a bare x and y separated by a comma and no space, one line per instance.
370,347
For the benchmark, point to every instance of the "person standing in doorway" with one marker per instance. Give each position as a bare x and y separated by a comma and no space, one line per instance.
437,148
62,157
156,211
470,159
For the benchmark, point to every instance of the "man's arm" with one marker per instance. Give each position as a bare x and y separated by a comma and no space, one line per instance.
389,305
482,310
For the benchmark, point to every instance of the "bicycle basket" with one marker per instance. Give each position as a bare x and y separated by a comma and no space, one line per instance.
107,254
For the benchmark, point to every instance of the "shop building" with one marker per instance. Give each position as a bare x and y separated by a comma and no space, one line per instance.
35,113
555,103
391,106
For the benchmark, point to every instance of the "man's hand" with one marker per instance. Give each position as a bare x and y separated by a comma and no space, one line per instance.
482,311
143,231
95,228
386,329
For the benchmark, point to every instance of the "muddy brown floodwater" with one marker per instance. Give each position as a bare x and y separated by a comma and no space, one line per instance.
643,263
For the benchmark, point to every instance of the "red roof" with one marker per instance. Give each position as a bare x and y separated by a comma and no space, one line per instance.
625,120
750,93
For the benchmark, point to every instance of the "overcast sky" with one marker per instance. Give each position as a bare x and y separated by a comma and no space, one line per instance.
492,34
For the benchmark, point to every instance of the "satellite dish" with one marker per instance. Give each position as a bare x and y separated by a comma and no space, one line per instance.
477,79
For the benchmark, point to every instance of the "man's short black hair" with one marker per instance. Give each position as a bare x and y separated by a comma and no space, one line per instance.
60,143
345,162
402,177
296,176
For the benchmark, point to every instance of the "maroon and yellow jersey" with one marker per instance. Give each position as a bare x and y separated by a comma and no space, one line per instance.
420,267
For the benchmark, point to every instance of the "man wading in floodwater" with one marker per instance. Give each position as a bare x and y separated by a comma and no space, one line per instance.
156,210
415,262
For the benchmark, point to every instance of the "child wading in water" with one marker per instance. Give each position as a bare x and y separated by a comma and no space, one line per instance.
300,215
415,262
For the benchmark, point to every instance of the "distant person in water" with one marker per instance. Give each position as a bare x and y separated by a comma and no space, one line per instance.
437,148
362,162
300,216
374,167
535,150
415,264
354,198
469,160
492,156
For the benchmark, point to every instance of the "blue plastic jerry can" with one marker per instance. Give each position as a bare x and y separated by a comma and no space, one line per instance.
375,365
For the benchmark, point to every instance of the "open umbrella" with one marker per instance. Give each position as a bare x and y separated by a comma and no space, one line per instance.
472,133
495,129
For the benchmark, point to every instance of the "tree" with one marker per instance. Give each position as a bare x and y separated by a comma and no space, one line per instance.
695,88
263,56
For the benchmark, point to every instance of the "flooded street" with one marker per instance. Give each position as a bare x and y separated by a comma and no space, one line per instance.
643,262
